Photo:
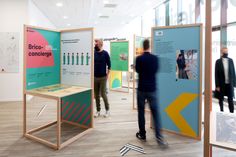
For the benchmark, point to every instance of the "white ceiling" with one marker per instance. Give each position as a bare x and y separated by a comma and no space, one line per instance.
85,13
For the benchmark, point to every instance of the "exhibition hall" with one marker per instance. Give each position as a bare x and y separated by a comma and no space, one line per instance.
109,78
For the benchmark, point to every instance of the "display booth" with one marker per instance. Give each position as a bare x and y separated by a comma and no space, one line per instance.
119,54
58,65
179,83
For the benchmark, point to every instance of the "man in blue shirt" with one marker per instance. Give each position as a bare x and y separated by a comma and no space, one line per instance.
102,65
146,67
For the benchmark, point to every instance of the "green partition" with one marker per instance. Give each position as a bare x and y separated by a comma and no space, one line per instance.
119,55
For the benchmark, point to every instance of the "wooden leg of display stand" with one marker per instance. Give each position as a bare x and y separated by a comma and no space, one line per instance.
208,79
40,140
75,138
133,89
41,127
58,123
128,81
24,114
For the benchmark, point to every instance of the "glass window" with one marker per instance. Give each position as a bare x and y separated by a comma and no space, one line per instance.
203,12
173,12
216,6
231,43
215,53
231,12
188,11
161,15
148,19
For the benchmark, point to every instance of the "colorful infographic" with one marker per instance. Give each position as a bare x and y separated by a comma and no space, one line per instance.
77,108
178,78
119,55
139,45
42,58
115,79
77,57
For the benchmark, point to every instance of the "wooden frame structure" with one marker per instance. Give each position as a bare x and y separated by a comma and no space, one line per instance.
208,123
58,98
134,75
200,79
127,72
58,123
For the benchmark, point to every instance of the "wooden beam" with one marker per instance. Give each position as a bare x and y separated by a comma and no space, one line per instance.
24,114
58,123
41,127
208,80
34,138
75,138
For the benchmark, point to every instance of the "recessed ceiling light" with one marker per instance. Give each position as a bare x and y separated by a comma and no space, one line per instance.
65,17
68,24
105,1
59,4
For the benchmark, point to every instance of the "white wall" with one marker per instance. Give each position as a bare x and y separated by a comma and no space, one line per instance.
14,14
37,18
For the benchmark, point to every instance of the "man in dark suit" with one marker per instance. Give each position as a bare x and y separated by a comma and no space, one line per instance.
225,79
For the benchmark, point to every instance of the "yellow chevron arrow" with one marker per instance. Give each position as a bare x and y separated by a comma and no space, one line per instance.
174,109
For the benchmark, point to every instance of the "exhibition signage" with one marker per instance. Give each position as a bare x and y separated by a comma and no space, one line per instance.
119,55
58,65
42,58
76,57
179,78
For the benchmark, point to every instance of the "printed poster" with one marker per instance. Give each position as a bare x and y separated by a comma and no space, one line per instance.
42,58
178,78
76,57
119,55
115,79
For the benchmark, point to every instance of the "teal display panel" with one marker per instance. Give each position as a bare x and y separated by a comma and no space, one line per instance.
179,78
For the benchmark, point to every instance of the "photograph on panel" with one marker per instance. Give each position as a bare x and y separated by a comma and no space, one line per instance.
187,64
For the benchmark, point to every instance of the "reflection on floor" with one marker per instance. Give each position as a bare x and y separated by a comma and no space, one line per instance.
108,136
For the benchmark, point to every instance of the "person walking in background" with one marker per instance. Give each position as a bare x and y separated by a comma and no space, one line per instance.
102,65
225,80
146,66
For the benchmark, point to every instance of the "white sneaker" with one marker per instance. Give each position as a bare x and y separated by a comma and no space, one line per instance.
107,114
97,114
